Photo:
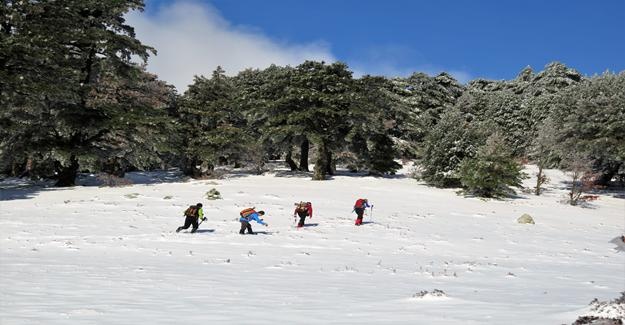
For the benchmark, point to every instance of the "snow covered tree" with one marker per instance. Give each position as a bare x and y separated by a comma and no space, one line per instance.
544,151
214,128
517,107
420,100
492,171
451,141
55,55
371,119
321,96
590,119
271,105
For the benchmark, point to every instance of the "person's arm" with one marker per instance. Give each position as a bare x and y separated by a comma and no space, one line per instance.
310,210
258,219
200,214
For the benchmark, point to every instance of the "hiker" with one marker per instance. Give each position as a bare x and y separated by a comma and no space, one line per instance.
359,208
192,214
248,215
303,210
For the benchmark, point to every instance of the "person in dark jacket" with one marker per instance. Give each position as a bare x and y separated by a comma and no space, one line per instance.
192,214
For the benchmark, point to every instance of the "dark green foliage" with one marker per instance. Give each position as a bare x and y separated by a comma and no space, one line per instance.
517,107
590,121
492,171
419,101
449,142
372,122
68,83
214,128
271,104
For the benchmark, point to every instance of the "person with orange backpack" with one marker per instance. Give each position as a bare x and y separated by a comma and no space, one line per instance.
303,210
359,208
192,214
248,215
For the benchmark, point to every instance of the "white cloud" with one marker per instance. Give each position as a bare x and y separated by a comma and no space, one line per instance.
193,39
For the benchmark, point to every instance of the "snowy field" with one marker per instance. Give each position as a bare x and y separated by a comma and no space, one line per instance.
99,255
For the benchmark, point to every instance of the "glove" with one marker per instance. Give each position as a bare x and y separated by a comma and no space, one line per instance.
266,225
204,219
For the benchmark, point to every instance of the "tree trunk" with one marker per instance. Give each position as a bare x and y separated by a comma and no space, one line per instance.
66,175
540,179
607,174
303,156
320,163
289,160
114,167
329,163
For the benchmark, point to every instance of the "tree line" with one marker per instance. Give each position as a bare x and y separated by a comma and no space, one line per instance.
75,99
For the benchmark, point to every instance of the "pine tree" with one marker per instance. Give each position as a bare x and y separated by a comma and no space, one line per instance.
451,141
372,121
55,55
420,101
590,122
215,129
492,171
271,105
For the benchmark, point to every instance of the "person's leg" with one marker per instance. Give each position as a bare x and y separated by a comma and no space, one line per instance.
249,228
359,213
243,226
195,225
187,222
302,219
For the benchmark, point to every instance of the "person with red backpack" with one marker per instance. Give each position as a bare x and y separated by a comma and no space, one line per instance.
359,208
248,215
192,214
303,210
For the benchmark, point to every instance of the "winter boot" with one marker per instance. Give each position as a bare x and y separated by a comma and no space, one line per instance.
179,228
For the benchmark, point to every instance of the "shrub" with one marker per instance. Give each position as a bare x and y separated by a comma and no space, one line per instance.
492,171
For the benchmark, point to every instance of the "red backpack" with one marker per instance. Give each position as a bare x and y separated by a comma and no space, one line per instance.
360,203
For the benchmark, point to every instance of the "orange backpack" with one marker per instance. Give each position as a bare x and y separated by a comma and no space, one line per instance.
247,212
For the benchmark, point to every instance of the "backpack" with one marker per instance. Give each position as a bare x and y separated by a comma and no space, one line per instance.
247,212
303,206
191,211
360,203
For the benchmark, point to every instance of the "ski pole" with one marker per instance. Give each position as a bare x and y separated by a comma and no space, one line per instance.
371,213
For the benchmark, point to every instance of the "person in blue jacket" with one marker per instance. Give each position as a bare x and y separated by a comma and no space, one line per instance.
248,215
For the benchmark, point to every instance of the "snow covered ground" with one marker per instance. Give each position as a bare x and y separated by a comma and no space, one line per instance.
94,255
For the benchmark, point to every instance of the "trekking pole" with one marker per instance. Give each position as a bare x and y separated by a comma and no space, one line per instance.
371,213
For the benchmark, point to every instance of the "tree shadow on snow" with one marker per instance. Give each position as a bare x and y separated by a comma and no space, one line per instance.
22,189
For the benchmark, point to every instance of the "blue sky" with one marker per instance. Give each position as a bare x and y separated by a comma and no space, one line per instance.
482,38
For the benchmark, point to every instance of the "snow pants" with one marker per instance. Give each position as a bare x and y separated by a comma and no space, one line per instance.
359,213
188,221
246,225
302,217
